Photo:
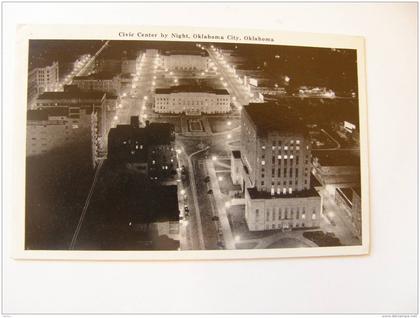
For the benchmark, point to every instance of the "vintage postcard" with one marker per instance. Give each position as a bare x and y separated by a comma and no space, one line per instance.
146,143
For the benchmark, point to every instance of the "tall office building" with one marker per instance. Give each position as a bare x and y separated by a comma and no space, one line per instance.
90,101
275,162
42,79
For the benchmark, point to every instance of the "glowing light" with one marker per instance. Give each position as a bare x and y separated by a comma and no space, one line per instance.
214,158
229,123
229,136
220,178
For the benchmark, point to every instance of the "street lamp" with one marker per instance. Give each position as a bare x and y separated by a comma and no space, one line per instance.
237,238
220,178
229,123
229,136
182,192
214,158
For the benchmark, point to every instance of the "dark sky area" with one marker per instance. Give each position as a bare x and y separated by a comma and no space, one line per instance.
336,69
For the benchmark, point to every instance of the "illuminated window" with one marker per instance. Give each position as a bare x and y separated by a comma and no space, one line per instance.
263,162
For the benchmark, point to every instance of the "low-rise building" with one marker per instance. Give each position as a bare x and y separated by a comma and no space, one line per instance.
129,62
336,168
192,100
192,60
108,64
148,149
350,200
275,167
104,82
158,212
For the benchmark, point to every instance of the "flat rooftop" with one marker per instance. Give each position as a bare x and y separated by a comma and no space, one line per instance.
236,154
43,114
153,134
191,89
273,117
335,158
186,52
72,95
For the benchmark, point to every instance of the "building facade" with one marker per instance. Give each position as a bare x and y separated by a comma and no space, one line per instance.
89,101
350,200
104,82
52,128
276,168
42,79
185,61
150,149
191,100
336,169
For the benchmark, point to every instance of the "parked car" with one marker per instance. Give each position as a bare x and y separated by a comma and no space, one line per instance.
210,191
215,218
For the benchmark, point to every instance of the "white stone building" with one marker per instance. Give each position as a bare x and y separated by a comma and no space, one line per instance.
185,61
191,100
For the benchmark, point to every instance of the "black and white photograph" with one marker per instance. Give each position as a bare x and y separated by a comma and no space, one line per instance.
215,158
150,145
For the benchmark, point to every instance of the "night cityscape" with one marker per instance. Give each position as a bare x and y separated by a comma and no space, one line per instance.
148,145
